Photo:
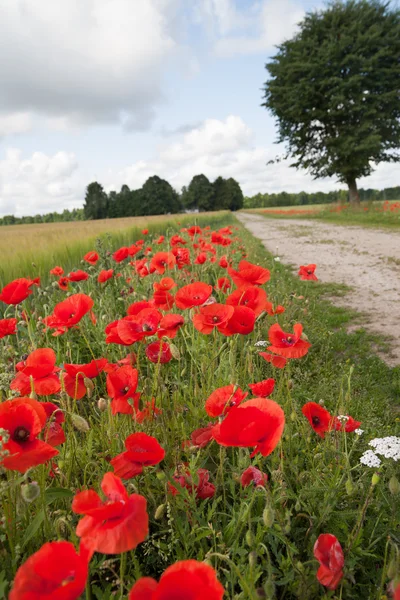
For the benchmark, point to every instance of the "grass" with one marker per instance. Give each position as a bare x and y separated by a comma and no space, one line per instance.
372,214
35,249
260,541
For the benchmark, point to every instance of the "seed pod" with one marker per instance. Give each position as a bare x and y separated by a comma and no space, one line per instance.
375,479
268,516
102,404
30,491
80,423
394,485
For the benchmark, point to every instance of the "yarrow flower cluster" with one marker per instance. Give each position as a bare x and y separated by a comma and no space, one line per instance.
389,447
261,344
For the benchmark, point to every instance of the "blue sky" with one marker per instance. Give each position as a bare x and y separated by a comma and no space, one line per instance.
118,90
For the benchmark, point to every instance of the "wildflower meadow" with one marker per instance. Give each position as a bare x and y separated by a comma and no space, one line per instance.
182,419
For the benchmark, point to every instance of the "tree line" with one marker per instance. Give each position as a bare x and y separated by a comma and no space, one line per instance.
303,198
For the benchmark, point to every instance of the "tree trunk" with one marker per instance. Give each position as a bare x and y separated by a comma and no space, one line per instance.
353,192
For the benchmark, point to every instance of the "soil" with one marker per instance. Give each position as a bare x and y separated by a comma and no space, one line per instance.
367,260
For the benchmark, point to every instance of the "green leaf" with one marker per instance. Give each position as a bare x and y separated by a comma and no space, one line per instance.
33,528
57,494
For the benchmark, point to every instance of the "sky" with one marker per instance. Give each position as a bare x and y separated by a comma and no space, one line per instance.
115,91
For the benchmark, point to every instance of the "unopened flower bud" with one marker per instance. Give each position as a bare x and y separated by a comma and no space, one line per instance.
252,559
393,568
175,351
269,589
249,538
30,491
102,404
268,516
33,395
375,479
349,487
290,384
394,485
160,510
89,385
80,423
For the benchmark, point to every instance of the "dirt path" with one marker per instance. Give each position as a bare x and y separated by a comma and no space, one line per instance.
367,260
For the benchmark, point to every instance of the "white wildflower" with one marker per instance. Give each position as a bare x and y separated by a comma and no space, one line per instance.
262,344
342,418
389,447
370,459
359,431
277,259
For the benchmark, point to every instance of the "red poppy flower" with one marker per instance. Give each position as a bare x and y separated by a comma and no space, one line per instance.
7,327
159,352
194,294
142,450
307,272
55,571
262,389
24,419
63,283
202,436
253,297
121,387
121,254
162,261
137,307
177,239
169,326
223,262
163,300
258,422
200,258
289,345
69,312
396,593
194,230
223,399
117,524
347,424
58,271
223,284
185,580
74,378
105,275
201,487
182,256
277,361
134,328
319,418
145,231
91,257
211,316
164,285
249,274
242,321
78,275
112,336
253,475
148,413
53,432
18,290
39,367
160,240
329,553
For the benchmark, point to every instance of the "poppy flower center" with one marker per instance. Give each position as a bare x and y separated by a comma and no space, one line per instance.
69,579
215,319
21,434
316,421
124,390
309,272
146,327
289,340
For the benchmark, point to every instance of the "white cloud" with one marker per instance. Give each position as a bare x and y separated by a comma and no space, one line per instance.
84,62
38,184
251,29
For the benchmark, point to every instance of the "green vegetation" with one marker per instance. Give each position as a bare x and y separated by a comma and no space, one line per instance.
334,90
259,540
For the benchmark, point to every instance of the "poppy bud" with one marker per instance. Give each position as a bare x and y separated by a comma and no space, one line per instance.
269,589
375,479
394,485
160,510
175,352
252,559
290,384
268,516
80,423
299,566
102,404
30,491
349,487
297,506
260,593
89,385
33,395
392,569
250,538
293,415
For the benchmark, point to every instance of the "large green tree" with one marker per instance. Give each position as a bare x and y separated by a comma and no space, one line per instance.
335,90
158,197
96,201
199,194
